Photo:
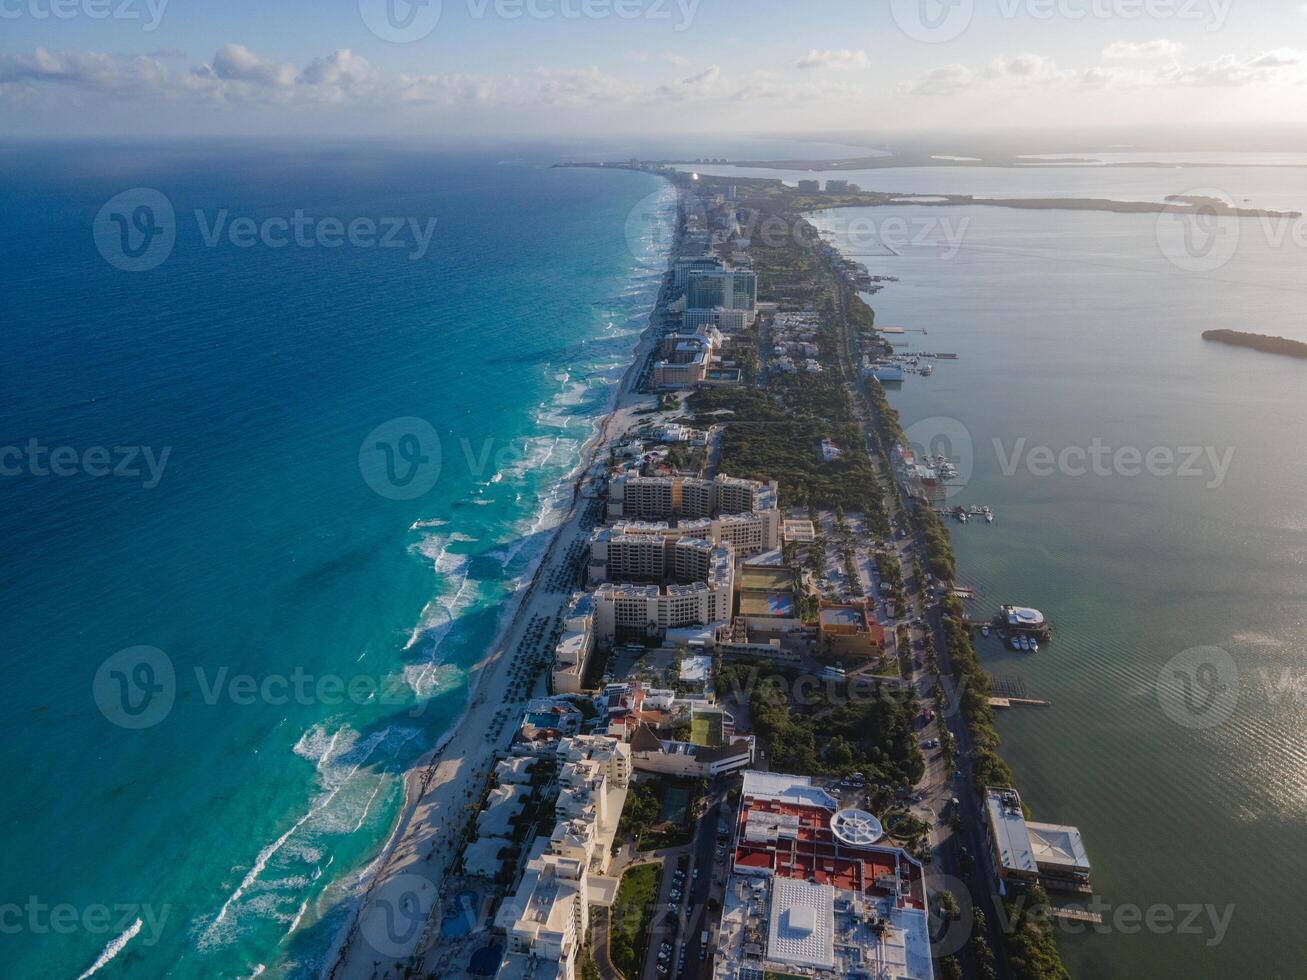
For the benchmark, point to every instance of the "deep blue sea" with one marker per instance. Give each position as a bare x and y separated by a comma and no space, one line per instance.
239,597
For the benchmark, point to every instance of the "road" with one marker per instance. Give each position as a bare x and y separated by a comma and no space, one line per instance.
938,784
599,924
696,918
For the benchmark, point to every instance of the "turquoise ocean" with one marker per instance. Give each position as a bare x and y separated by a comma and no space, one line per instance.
310,635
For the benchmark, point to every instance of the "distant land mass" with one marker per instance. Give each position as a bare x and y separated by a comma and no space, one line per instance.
1257,341
825,200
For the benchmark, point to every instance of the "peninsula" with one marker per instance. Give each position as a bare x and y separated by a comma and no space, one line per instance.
1256,341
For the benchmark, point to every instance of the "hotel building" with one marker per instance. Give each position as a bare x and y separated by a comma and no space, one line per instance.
813,894
661,498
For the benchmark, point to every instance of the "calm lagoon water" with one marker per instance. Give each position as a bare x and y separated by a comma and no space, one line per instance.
1074,328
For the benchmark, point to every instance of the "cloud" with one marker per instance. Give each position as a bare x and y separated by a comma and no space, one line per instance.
1143,50
1010,71
940,81
696,87
237,63
238,75
82,69
1030,70
340,75
1231,72
845,59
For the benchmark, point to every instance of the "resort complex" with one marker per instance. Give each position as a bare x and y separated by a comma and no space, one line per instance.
813,894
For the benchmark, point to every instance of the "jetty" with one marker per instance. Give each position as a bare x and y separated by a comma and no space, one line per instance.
1004,703
1076,915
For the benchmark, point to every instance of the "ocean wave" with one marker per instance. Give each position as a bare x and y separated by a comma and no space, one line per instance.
113,949
340,757
431,522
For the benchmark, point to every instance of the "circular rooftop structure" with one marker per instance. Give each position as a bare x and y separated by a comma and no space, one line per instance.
857,828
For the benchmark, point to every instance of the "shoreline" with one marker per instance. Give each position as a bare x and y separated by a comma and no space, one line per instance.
434,780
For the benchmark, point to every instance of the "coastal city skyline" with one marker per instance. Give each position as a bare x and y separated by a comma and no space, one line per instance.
653,489
479,69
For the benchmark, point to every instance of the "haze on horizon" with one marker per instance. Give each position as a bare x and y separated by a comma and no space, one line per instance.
462,69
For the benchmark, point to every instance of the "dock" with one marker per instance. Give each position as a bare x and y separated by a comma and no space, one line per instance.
1005,703
1076,915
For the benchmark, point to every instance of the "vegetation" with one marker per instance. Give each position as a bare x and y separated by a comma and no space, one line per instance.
632,914
832,736
765,439
1257,341
939,552
1032,950
640,820
986,966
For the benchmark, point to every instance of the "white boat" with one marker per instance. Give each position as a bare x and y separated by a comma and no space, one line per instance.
1034,645
984,631
1025,644
989,517
1016,642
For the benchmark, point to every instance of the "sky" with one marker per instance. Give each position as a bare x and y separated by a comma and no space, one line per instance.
534,68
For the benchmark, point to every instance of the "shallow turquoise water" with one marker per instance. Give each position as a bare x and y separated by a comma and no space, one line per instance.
319,632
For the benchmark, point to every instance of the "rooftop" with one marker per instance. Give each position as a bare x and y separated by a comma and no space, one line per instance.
695,670
1008,823
801,929
1057,844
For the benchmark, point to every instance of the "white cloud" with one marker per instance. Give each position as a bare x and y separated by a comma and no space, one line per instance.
696,87
1030,70
340,75
940,81
844,59
1143,50
237,63
84,69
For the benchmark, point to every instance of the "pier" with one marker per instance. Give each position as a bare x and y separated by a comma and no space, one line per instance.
1002,704
1076,915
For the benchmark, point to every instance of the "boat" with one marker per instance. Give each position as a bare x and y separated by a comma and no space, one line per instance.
927,370
984,631
989,516
1016,642
1025,643
1034,645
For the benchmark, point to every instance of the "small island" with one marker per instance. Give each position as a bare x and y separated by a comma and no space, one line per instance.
1257,341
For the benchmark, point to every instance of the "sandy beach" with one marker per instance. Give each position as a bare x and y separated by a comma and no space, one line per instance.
441,790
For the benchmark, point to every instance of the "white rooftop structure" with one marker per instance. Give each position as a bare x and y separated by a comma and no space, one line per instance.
1008,822
856,827
801,930
798,790
761,827
1023,616
1058,844
695,670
